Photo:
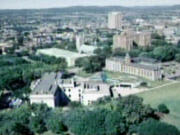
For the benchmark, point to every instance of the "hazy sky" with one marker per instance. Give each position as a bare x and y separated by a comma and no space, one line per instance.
19,4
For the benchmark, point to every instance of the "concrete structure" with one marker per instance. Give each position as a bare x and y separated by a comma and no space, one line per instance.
54,91
68,55
94,90
46,90
137,67
79,41
115,20
127,40
83,48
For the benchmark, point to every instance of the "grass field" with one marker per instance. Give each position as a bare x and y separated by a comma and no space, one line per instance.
169,95
124,77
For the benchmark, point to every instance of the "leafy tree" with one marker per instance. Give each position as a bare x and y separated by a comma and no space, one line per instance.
163,108
164,53
154,127
178,57
91,64
115,124
55,124
37,122
85,122
15,122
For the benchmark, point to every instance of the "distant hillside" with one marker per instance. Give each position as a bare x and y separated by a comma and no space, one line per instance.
94,9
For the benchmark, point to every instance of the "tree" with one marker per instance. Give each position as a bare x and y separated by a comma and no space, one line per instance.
15,122
86,122
154,127
55,124
115,124
94,64
163,108
177,57
164,53
37,122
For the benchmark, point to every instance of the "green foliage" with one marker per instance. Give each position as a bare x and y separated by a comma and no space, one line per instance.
154,127
86,122
164,53
48,59
74,104
120,116
115,124
37,120
67,45
114,117
163,108
91,64
54,122
177,57
133,110
11,60
15,122
103,52
17,74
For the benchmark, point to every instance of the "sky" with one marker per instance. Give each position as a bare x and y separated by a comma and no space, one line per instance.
28,4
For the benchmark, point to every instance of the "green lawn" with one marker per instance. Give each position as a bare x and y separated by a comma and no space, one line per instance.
132,78
169,95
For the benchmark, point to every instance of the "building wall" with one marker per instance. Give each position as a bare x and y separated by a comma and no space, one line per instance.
115,20
117,66
126,40
43,98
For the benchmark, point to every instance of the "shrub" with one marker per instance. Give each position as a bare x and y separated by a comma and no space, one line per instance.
163,108
154,127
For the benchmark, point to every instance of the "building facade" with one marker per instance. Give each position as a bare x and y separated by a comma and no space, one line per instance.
115,20
54,91
127,40
151,72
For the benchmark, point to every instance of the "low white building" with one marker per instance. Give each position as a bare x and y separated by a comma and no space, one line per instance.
61,53
46,90
53,90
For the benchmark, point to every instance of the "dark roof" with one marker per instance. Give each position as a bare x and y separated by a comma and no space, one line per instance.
47,84
144,59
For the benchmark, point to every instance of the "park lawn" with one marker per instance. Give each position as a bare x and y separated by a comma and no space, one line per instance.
132,78
84,74
169,95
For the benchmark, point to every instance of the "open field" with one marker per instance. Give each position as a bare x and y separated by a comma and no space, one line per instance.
169,95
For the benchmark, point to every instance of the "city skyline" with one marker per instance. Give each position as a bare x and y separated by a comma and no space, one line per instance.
37,4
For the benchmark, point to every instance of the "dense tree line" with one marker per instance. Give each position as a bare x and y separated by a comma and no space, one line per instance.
121,116
48,59
160,50
10,60
17,74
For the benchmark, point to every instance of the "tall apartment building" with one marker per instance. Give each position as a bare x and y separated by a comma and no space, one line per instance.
126,40
115,20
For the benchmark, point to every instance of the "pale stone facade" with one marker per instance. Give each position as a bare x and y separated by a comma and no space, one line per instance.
151,72
115,20
126,40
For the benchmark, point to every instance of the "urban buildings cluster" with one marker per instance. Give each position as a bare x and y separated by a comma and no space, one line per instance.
85,33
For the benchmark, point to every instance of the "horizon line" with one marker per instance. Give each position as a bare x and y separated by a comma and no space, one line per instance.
89,6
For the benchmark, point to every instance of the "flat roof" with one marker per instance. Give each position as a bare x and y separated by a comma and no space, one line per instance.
47,84
60,53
